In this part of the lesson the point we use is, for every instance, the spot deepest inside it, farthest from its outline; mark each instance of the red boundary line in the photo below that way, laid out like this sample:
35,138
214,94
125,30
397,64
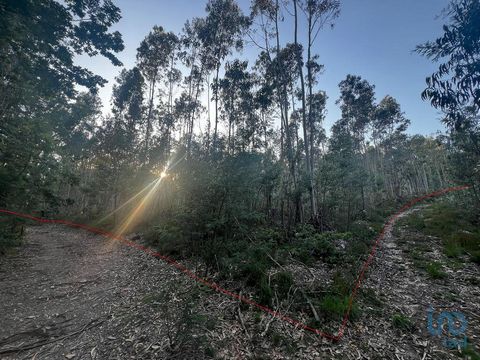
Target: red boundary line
214,286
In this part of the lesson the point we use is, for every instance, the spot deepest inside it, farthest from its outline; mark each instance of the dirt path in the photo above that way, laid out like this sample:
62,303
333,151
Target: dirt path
68,294
404,290
70,290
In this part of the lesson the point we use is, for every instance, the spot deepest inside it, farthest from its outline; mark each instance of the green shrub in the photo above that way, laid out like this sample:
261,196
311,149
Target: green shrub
470,353
334,307
415,221
475,256
364,230
11,233
435,270
310,245
402,322
167,239
452,250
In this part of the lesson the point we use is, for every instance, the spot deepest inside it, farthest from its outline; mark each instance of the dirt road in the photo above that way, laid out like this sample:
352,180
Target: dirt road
65,292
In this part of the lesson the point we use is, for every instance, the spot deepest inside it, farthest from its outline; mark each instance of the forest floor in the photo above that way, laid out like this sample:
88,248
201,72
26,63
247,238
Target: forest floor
68,294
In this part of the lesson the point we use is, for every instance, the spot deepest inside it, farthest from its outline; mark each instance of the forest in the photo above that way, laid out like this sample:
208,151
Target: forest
224,163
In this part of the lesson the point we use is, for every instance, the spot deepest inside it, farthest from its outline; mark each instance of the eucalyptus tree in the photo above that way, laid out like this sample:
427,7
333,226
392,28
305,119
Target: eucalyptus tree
154,56
388,126
356,102
318,13
128,98
455,86
238,98
348,134
192,56
222,30
268,14
388,120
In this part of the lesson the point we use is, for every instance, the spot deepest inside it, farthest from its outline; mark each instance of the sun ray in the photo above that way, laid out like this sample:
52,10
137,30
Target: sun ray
137,212
129,201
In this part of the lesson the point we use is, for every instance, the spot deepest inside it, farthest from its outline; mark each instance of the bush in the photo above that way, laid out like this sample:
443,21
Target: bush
415,221
342,283
265,292
334,307
452,249
167,239
310,245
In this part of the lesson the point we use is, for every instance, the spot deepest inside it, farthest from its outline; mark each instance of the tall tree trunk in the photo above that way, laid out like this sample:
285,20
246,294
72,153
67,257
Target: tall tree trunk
306,141
208,112
215,134
149,117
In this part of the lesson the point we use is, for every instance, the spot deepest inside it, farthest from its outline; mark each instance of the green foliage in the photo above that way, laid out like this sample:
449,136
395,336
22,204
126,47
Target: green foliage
475,256
309,245
342,283
415,221
454,85
452,249
282,283
403,322
454,222
167,239
470,353
334,307
45,124
435,270
11,233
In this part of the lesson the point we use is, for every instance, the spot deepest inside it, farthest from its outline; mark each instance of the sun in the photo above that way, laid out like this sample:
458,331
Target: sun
163,174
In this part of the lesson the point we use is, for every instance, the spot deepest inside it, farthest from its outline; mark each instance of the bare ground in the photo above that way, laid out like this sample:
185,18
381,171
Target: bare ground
68,294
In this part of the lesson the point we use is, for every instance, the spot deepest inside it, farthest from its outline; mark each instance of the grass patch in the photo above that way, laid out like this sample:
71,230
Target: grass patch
470,353
415,221
334,307
452,250
403,322
435,270
455,223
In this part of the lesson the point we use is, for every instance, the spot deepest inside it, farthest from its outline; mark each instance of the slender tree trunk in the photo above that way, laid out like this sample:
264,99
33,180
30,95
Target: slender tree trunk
149,117
306,141
208,112
215,134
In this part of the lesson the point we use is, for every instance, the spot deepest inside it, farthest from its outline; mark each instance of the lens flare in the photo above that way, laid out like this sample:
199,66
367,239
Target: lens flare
139,209
129,201
145,199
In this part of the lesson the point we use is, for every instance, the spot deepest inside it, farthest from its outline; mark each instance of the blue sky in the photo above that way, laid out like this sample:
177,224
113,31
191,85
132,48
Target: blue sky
371,38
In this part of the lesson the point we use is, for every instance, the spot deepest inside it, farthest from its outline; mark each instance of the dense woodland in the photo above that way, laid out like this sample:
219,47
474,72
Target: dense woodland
222,150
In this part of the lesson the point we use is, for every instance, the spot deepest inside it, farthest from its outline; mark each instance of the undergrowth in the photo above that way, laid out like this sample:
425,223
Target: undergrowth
455,221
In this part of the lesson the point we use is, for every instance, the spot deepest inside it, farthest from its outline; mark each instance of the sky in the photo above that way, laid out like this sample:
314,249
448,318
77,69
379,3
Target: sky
372,38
